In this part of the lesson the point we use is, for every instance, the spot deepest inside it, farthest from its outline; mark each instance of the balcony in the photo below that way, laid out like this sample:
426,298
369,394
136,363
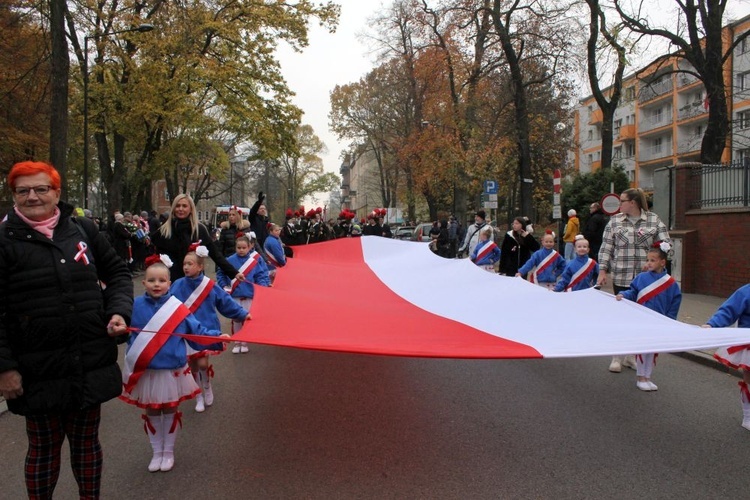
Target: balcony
655,152
652,91
691,110
684,79
596,117
627,132
690,145
596,165
655,121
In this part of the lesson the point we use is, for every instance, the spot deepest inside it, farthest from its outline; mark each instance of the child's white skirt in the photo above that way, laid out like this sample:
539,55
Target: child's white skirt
160,389
737,357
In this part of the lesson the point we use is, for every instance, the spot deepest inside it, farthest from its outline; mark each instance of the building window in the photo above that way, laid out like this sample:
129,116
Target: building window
657,145
743,155
698,131
743,81
617,126
200,215
744,46
617,153
743,120
591,135
207,218
629,150
629,93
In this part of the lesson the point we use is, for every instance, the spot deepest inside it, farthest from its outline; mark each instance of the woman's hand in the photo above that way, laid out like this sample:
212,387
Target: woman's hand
602,278
116,326
10,384
240,277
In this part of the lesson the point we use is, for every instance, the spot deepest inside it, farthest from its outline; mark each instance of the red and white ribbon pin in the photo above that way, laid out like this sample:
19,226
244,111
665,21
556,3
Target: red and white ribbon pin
81,255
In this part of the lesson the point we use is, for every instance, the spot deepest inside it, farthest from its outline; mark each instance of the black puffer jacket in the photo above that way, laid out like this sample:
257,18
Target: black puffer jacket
228,236
177,247
54,314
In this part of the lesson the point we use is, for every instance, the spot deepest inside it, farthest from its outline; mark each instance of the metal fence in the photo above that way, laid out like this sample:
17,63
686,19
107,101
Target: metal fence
724,185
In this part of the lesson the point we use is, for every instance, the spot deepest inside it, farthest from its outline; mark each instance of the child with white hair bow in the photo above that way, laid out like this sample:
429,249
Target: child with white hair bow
204,297
155,374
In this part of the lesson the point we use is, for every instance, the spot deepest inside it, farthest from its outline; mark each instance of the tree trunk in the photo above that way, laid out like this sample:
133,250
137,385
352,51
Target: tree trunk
60,68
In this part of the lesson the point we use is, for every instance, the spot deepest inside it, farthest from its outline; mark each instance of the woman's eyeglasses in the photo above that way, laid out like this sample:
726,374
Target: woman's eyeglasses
39,190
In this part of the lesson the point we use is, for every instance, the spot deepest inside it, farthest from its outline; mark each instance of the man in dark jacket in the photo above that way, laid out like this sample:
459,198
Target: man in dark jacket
58,352
259,220
594,229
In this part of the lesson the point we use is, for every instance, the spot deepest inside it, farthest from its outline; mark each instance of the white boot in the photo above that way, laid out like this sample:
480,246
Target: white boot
154,429
208,391
169,426
200,407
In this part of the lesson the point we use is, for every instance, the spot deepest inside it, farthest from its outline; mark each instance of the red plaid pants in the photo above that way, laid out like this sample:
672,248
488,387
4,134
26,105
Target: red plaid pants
46,434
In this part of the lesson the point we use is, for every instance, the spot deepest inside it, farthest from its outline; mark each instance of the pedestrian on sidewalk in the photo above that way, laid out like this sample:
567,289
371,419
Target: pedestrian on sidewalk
156,376
626,241
659,292
204,297
254,270
736,309
572,228
58,351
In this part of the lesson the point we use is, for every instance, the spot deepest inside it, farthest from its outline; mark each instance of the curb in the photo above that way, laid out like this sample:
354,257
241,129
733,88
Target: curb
3,406
708,361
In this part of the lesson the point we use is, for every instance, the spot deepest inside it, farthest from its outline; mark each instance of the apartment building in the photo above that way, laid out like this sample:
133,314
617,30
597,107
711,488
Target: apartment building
663,115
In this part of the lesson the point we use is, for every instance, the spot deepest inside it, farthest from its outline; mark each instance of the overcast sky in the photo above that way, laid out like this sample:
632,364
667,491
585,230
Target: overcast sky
340,58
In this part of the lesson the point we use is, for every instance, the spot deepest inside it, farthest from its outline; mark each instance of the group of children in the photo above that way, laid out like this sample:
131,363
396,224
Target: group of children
162,369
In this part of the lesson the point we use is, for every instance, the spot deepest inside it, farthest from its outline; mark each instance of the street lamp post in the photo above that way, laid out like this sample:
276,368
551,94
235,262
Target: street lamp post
141,29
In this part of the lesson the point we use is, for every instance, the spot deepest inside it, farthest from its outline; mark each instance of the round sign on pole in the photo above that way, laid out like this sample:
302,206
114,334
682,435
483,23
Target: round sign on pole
610,203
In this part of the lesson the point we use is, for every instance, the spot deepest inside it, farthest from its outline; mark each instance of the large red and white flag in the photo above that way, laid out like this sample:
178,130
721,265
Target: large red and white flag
380,296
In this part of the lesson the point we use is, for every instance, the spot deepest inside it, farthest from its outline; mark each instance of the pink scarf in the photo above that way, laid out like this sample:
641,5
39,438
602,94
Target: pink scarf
46,227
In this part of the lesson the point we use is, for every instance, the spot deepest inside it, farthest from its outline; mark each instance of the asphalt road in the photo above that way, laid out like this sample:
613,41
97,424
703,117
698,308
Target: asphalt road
301,424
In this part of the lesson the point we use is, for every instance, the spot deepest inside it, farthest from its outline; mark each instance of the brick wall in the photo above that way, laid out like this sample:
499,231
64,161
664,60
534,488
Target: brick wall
717,251
721,256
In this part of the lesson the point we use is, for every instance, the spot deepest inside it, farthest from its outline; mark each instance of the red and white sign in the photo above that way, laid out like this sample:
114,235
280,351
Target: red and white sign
610,203
556,181
381,296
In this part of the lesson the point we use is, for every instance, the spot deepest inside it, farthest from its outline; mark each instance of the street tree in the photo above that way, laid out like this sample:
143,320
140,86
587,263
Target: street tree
530,31
205,69
608,98
24,86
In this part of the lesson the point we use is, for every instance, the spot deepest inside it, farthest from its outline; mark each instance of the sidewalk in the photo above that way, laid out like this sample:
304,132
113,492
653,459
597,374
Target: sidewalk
695,310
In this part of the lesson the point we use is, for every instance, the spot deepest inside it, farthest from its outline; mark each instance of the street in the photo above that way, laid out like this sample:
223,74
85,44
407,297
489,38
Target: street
302,424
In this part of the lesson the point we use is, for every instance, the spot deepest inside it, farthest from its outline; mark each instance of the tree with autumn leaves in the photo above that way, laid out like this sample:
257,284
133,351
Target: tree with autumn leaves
441,110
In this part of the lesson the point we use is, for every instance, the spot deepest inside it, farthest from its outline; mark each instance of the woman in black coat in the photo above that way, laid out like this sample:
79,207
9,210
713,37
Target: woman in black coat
58,352
517,247
180,230
228,233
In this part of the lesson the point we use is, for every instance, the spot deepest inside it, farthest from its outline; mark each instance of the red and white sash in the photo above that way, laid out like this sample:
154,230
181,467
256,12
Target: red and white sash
581,274
147,343
245,269
273,259
486,250
548,260
654,289
199,294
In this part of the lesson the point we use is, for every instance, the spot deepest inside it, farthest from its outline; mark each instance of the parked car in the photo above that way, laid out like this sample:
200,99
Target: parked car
422,232
404,233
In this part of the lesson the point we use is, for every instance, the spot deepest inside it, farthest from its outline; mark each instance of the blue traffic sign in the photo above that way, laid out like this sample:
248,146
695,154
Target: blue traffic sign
490,187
